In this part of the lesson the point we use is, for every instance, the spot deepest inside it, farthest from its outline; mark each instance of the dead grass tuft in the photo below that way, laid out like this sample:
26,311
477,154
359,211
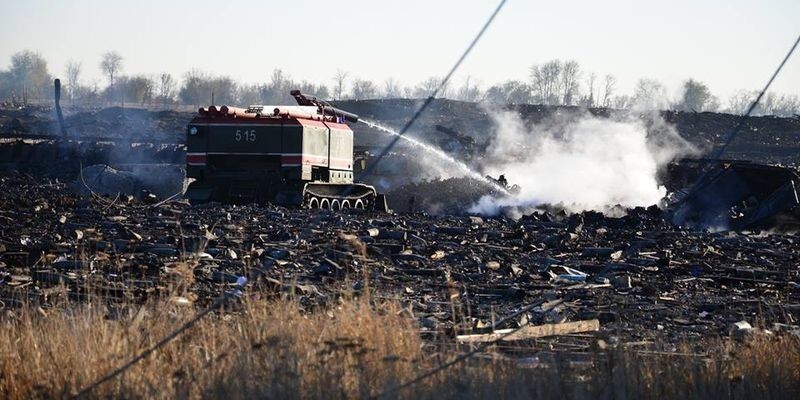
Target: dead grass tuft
270,349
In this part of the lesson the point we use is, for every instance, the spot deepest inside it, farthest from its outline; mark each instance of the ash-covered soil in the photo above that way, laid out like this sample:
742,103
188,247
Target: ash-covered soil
641,277
124,125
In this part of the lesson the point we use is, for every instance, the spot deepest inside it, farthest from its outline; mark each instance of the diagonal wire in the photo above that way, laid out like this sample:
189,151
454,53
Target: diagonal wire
150,350
427,374
738,127
430,98
752,107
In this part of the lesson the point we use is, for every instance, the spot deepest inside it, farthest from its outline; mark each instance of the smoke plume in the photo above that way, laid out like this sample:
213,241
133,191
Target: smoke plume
579,161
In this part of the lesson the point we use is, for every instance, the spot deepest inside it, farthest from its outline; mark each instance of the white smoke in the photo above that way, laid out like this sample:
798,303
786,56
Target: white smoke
580,162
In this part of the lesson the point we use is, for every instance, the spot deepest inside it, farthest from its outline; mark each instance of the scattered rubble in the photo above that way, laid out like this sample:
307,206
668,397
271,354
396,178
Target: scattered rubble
159,179
633,279
740,195
638,276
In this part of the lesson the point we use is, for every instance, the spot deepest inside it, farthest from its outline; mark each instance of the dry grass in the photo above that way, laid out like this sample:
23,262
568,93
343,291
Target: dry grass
269,349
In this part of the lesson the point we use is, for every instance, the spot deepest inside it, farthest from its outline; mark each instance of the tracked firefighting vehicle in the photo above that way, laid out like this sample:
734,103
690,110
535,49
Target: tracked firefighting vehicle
291,155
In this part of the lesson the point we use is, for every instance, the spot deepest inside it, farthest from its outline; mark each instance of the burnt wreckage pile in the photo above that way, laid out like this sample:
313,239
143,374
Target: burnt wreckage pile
635,279
736,195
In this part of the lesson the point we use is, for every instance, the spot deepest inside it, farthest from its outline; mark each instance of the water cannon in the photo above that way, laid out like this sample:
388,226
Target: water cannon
339,113
323,106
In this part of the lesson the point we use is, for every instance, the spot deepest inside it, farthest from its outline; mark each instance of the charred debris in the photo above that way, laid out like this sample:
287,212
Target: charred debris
639,276
702,267
735,195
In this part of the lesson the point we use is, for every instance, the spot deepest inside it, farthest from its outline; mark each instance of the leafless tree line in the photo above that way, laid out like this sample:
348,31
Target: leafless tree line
555,82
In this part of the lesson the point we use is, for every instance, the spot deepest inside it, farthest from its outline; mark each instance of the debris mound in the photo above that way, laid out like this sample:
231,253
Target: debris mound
440,196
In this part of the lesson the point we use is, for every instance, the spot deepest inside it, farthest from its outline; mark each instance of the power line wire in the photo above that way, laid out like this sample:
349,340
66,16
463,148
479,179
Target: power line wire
425,375
219,302
752,107
430,98
740,123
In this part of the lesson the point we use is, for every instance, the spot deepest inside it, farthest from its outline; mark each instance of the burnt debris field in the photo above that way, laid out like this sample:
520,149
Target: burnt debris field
94,224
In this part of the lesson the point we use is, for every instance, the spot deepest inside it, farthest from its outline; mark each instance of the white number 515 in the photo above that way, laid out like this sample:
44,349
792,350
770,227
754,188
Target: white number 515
245,135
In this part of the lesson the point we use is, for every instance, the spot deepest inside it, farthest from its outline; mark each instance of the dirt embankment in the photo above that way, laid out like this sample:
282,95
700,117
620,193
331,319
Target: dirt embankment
764,139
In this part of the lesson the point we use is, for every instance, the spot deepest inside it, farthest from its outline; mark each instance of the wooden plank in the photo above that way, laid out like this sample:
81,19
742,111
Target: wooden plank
587,286
533,331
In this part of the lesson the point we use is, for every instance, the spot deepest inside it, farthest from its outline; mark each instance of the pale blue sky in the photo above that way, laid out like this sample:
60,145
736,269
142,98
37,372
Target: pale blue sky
727,44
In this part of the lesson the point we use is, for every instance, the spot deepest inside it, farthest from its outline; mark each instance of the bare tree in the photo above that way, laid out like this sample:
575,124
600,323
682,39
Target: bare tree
224,89
545,81
249,94
166,88
510,92
649,94
570,73
391,88
339,81
771,104
608,90
589,100
713,104
320,91
277,90
695,96
28,73
280,84
787,106
767,104
364,89
89,93
194,88
200,88
740,101
428,88
136,89
621,102
73,71
469,92
279,80
111,65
